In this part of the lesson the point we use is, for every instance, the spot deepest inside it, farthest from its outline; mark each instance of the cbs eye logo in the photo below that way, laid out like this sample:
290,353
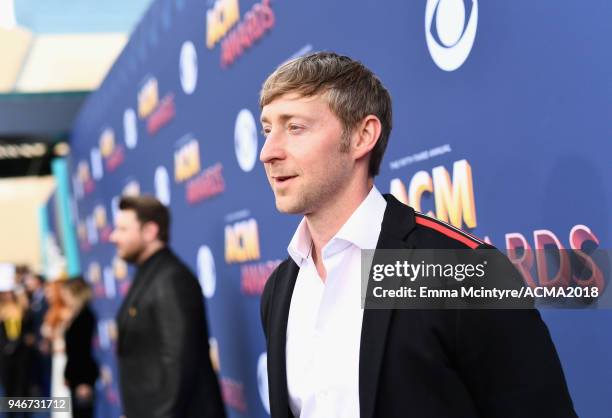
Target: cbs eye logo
245,140
449,38
206,271
188,67
162,185
130,128
262,381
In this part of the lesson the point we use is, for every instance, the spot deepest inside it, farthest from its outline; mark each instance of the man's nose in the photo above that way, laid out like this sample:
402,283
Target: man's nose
273,148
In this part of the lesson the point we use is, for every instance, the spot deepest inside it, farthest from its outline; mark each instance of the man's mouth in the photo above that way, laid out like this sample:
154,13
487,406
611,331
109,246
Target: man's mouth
280,180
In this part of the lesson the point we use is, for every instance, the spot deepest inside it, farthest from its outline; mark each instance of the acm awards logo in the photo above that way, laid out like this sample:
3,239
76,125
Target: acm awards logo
107,333
157,113
95,228
200,184
245,140
232,392
242,241
241,247
454,203
94,274
112,153
453,199
449,37
106,377
83,181
148,97
120,271
220,19
223,25
254,276
186,158
207,184
101,221
83,236
533,262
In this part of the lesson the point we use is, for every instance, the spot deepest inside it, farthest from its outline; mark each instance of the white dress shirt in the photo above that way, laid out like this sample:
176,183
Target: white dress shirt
324,325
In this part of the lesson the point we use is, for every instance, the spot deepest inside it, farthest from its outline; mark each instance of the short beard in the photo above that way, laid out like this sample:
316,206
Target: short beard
133,257
312,200
305,205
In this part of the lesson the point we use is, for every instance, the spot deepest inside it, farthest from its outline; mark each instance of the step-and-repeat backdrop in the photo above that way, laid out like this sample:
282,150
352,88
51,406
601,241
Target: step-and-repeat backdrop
502,126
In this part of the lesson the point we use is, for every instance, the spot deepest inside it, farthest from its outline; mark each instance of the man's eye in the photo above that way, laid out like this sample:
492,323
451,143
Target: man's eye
265,132
295,128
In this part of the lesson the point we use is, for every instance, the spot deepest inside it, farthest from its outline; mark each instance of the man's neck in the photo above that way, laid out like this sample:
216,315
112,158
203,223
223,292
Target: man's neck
149,251
325,223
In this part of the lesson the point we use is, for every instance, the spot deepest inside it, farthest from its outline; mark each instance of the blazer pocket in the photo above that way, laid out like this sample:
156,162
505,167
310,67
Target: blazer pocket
145,376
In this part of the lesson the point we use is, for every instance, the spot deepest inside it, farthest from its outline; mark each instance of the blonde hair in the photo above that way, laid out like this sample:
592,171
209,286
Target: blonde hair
350,88
79,289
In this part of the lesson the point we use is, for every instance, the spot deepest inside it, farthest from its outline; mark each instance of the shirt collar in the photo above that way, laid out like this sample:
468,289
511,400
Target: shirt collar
361,229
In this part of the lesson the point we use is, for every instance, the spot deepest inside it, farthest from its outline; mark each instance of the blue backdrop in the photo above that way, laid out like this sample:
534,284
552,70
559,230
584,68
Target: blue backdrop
501,127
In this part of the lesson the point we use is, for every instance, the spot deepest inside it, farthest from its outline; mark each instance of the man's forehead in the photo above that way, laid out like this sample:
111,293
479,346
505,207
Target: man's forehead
289,104
126,216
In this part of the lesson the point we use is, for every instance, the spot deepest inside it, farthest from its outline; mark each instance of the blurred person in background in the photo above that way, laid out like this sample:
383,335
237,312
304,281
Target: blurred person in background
41,361
15,330
164,367
35,290
81,370
22,272
52,330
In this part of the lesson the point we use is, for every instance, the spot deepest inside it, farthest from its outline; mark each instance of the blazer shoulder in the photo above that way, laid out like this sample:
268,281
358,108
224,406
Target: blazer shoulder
173,278
421,231
173,266
431,233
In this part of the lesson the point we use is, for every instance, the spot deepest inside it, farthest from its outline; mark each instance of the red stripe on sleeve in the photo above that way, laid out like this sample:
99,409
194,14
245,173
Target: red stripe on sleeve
447,231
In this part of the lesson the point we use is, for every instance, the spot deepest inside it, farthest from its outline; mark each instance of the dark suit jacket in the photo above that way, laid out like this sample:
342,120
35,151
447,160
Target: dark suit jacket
81,368
164,364
14,359
432,363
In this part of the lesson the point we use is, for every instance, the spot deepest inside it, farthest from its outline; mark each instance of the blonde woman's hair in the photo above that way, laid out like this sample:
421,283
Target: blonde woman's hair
79,289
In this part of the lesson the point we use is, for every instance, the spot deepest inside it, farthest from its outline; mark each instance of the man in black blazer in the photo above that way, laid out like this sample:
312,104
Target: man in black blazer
164,365
327,120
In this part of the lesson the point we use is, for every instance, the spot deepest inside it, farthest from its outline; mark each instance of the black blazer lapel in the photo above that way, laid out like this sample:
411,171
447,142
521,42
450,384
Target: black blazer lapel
141,282
278,319
397,223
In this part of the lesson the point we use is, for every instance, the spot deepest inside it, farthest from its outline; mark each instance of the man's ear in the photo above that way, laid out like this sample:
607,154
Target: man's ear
150,231
365,136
